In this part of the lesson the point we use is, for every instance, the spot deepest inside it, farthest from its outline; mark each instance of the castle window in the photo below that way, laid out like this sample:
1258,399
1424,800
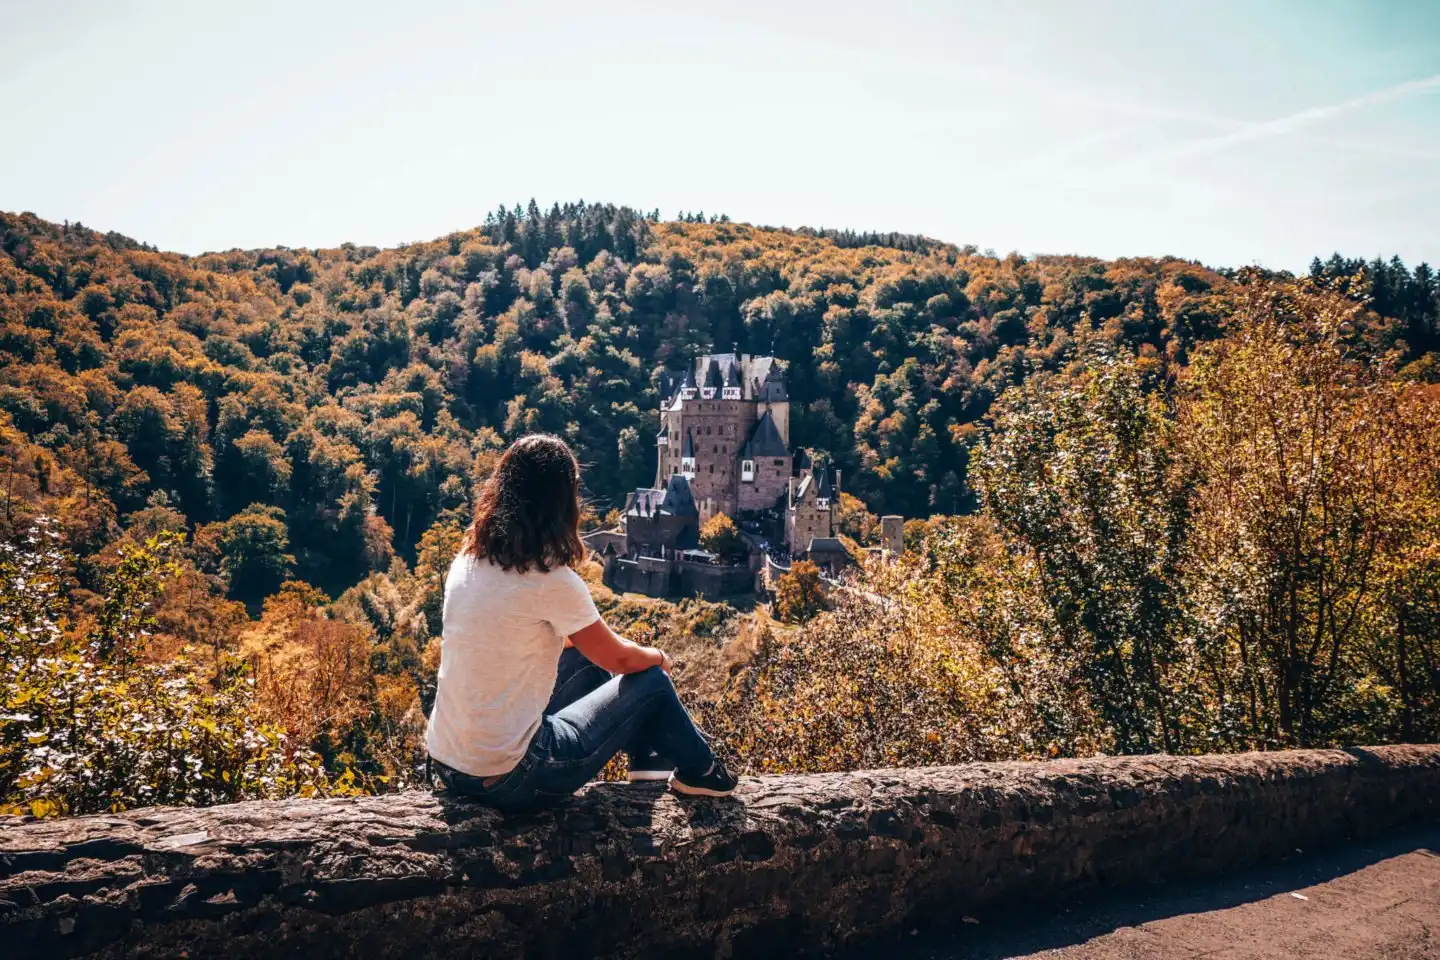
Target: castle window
707,429
747,470
732,393
779,463
712,468
708,393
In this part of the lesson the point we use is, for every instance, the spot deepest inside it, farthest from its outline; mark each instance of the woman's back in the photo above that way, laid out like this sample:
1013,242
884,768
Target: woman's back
503,633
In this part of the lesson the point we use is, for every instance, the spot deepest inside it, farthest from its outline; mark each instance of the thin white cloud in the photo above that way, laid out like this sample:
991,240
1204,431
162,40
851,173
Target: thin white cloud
1282,125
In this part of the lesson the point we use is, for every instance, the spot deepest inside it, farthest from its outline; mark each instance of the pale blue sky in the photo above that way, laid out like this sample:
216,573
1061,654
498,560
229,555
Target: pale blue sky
1232,132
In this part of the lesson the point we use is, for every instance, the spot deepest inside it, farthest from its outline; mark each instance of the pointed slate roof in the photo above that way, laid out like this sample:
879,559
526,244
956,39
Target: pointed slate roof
676,499
758,378
773,387
712,373
823,487
679,501
765,440
688,450
644,502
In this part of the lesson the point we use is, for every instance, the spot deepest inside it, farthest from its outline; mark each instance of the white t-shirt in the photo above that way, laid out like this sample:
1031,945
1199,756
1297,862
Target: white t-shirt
503,634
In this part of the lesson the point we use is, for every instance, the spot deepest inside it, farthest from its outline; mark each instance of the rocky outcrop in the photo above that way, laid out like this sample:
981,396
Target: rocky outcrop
795,864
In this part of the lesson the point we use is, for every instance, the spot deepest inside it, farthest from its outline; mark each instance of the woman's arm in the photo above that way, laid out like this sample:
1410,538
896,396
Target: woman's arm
610,651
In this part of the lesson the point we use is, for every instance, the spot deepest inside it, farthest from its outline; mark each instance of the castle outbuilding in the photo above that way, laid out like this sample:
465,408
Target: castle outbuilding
657,520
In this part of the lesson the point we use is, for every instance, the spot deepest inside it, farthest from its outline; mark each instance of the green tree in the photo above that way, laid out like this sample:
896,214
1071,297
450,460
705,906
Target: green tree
85,727
1080,472
254,546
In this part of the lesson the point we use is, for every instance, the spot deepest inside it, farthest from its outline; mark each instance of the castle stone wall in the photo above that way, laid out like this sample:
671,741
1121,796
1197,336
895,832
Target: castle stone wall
651,533
631,576
892,534
711,581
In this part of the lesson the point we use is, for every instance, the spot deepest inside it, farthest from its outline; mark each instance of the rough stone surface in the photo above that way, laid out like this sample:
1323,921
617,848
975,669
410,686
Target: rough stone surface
802,864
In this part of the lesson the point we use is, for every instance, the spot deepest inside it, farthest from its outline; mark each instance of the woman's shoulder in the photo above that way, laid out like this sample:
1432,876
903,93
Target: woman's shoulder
469,566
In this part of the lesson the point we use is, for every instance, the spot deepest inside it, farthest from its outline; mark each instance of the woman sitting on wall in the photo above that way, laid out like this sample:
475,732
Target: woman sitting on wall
535,692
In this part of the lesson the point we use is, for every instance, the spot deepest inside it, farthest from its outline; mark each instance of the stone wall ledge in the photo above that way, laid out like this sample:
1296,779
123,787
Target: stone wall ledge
797,864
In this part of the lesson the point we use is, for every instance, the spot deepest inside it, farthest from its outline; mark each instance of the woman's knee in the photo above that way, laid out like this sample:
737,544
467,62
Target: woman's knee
651,678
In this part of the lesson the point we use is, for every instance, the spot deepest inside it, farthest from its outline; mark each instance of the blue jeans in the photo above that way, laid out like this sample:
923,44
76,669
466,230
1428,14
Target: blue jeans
591,717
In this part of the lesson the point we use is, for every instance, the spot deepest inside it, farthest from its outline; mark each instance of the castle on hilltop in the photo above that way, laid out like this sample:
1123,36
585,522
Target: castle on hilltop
723,447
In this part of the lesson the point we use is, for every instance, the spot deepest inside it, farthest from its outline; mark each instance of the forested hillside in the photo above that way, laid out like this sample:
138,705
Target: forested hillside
342,399
233,482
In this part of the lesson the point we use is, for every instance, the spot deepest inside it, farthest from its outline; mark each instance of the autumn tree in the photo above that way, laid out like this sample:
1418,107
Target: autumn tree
85,726
799,594
312,674
1316,471
721,537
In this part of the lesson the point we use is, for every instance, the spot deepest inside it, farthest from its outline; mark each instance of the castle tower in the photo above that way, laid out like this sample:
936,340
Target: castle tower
812,503
710,412
892,534
774,399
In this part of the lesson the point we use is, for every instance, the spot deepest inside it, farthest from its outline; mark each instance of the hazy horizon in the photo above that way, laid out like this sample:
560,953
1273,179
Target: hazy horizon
1242,133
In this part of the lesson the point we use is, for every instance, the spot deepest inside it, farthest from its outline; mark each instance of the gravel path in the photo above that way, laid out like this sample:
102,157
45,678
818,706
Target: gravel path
1372,901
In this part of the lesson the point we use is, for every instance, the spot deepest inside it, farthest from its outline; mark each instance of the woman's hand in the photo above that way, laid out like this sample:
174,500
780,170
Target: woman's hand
657,658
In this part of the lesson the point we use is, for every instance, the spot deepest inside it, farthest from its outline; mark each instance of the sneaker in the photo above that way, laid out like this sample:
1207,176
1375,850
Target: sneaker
650,767
717,782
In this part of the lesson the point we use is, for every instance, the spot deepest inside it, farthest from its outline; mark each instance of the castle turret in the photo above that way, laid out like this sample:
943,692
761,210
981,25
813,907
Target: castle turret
765,466
714,382
811,509
732,389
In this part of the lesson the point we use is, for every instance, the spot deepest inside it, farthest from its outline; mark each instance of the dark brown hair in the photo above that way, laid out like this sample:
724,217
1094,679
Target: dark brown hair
529,511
